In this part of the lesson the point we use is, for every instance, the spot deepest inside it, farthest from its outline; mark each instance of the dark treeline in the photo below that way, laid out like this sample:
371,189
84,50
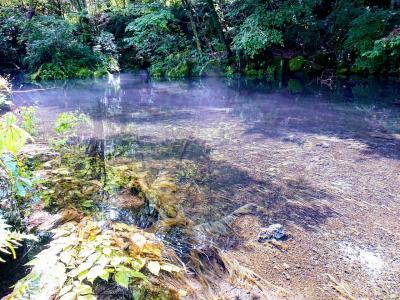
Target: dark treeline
81,38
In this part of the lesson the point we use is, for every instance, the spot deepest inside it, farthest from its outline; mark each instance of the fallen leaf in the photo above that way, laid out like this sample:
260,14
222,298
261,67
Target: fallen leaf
154,267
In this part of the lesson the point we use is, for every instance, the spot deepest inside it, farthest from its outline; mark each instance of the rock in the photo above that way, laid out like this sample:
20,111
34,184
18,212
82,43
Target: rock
323,145
127,200
272,232
293,139
42,220
38,152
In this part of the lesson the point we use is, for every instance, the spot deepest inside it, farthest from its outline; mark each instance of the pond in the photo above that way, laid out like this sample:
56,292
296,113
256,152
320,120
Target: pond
322,162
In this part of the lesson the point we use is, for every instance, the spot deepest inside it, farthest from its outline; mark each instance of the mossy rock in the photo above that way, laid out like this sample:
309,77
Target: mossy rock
294,86
67,69
297,63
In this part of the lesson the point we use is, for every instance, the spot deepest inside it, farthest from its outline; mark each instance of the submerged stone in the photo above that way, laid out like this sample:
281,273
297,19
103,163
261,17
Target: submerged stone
272,232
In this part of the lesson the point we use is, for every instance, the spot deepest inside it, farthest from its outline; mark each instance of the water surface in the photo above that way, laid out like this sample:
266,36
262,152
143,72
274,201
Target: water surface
323,162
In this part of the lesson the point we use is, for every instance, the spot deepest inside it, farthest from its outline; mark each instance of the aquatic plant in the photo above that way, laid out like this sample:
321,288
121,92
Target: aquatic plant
159,192
66,122
65,127
82,254
62,187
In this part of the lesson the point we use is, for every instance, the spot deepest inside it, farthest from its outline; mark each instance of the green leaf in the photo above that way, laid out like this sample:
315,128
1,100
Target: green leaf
122,278
139,275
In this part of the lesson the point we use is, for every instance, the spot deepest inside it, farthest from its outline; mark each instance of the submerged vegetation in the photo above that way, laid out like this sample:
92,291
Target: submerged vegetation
69,198
59,40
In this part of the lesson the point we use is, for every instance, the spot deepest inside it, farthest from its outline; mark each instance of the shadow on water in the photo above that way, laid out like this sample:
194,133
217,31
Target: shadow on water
367,112
280,118
213,189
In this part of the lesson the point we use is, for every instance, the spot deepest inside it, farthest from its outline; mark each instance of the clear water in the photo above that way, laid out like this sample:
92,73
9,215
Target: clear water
231,142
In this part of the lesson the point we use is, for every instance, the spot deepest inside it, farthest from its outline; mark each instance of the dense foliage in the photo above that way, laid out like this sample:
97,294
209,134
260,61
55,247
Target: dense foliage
64,39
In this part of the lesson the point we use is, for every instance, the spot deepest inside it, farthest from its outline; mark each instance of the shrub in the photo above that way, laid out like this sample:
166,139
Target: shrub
54,50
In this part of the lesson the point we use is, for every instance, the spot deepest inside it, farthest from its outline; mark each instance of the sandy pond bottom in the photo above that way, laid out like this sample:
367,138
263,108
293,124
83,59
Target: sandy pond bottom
324,164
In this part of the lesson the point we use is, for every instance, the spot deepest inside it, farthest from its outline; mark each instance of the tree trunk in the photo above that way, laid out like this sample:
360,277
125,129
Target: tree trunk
188,7
218,27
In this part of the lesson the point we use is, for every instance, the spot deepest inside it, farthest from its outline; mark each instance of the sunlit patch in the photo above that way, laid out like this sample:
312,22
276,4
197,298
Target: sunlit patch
371,262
